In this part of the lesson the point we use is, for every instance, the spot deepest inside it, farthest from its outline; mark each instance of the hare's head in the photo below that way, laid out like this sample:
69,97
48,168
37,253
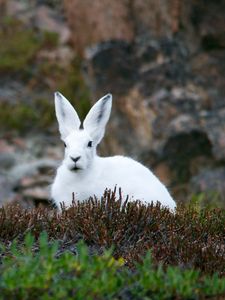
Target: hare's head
81,140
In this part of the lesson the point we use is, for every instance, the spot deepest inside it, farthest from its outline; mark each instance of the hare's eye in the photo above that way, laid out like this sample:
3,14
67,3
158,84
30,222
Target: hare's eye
64,144
89,144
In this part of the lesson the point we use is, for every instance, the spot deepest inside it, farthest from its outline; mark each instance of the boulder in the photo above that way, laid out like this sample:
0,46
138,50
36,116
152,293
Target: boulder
210,182
165,111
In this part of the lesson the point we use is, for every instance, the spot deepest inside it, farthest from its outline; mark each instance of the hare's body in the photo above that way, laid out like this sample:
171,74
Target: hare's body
83,174
134,179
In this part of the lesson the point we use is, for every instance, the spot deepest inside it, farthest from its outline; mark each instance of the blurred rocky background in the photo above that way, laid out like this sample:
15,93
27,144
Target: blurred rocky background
164,63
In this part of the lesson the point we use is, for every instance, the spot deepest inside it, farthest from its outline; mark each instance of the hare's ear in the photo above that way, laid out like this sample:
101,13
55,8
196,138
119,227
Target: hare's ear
66,115
98,117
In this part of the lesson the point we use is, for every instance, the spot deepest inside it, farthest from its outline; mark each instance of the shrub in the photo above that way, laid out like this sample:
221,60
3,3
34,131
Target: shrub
43,273
188,239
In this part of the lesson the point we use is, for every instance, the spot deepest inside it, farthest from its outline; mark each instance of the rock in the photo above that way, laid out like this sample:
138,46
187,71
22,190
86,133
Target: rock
45,19
180,124
110,20
131,20
159,14
163,172
36,194
32,181
25,178
6,192
210,181
214,125
32,168
36,180
3,5
41,16
7,157
64,55
135,123
10,91
19,142
16,7
112,60
212,37
7,160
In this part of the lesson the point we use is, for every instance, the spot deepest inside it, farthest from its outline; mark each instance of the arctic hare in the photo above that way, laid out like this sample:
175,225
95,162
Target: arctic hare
83,173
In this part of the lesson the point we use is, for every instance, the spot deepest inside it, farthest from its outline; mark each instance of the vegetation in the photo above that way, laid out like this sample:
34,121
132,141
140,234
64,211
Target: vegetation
21,58
190,238
28,273
18,45
112,250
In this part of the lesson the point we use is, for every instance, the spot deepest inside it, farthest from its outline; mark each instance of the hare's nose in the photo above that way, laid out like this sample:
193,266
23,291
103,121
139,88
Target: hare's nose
75,159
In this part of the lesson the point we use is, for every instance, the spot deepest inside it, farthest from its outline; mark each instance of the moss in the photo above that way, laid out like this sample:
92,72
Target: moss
18,45
211,199
18,57
50,39
23,116
68,80
16,116
75,89
44,112
39,112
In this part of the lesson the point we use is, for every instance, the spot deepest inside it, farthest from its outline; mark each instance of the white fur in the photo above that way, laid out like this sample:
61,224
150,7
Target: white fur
93,174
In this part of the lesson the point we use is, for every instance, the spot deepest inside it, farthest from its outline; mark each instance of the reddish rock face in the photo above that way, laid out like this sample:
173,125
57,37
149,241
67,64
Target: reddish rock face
96,21
104,20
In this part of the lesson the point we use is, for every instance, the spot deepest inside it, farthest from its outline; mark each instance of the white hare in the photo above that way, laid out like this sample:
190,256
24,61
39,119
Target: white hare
83,173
